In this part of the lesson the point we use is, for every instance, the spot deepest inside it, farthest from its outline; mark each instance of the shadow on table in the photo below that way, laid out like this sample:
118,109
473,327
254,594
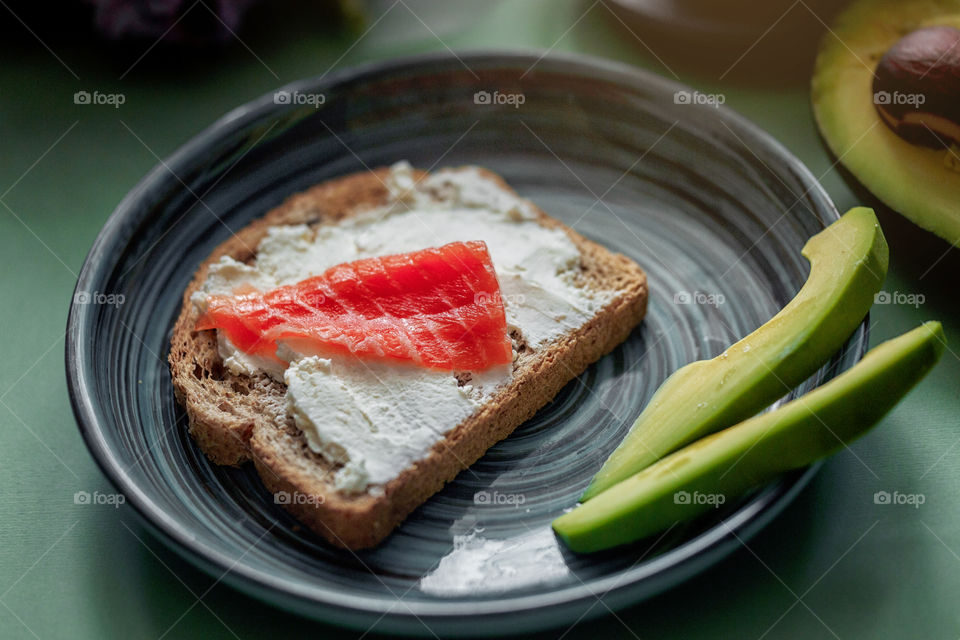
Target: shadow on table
927,260
929,263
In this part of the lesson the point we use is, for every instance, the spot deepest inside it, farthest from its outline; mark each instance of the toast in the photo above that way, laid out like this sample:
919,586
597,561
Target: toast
238,418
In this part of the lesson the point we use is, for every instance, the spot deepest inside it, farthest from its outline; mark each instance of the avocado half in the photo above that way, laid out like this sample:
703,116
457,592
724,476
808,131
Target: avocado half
921,183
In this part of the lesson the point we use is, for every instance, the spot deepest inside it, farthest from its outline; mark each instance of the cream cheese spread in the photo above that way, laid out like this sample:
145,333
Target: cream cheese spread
376,419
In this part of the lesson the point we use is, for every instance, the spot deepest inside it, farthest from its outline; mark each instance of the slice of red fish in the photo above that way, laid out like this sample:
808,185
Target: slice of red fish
438,308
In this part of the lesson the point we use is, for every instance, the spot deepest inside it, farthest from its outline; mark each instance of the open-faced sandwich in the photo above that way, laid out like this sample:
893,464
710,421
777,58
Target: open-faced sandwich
372,337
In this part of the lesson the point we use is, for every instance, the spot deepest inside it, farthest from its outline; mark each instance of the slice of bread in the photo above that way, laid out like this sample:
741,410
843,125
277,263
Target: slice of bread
237,418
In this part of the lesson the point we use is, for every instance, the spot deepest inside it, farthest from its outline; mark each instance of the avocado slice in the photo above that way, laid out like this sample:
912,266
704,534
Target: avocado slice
724,465
919,182
848,264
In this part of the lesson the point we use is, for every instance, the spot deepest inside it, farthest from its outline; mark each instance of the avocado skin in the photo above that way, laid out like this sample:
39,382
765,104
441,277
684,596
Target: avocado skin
848,264
920,183
745,456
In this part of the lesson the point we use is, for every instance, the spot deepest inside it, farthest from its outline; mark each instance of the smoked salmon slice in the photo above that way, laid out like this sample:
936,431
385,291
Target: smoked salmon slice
438,308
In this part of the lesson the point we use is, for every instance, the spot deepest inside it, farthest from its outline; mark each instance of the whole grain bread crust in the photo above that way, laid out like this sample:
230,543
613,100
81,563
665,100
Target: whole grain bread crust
235,419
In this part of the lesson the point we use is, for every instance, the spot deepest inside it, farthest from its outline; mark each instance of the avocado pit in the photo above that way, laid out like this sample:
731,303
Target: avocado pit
916,87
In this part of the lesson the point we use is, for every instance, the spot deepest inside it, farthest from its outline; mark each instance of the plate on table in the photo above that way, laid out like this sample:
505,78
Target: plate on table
711,207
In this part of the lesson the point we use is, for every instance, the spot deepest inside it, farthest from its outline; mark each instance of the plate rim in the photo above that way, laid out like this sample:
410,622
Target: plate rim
628,587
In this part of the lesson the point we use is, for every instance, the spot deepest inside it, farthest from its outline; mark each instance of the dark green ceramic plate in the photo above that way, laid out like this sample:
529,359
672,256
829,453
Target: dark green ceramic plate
710,206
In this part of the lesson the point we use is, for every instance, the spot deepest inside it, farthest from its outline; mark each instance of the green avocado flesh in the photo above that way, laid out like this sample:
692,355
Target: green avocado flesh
921,183
848,264
724,465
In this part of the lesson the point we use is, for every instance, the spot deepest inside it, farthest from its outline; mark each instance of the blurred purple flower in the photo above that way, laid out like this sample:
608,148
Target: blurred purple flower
193,21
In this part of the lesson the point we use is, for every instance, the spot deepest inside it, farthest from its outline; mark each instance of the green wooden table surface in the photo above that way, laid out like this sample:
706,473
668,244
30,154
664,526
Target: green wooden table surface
835,564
